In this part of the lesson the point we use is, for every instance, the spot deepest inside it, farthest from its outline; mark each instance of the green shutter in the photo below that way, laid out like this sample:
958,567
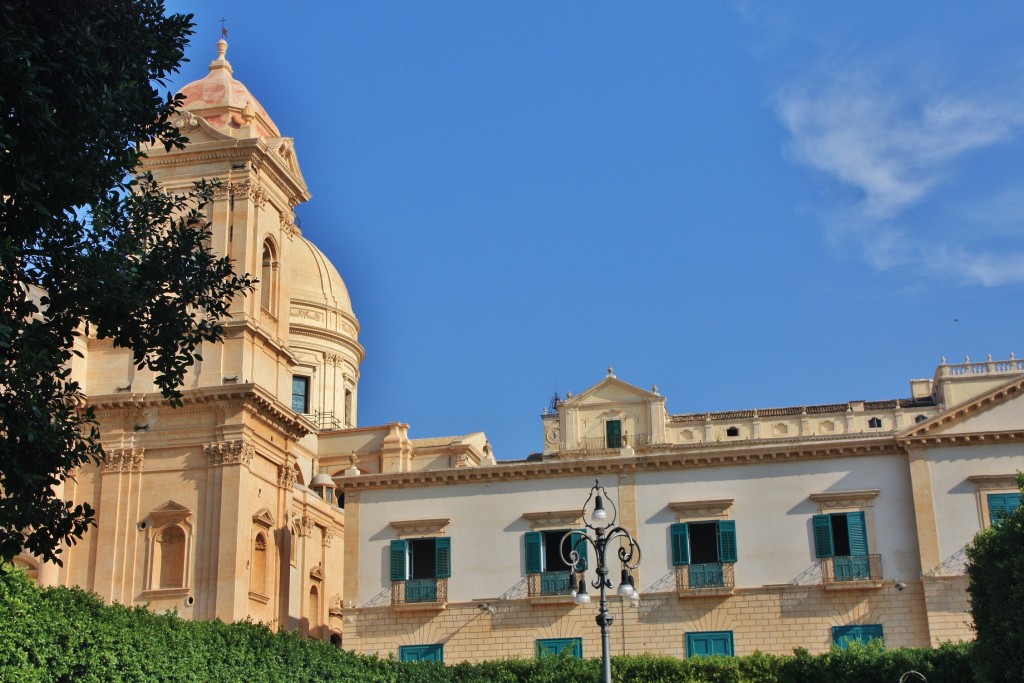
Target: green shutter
580,546
858,534
1000,505
613,433
823,536
554,647
727,551
680,544
534,550
399,560
442,557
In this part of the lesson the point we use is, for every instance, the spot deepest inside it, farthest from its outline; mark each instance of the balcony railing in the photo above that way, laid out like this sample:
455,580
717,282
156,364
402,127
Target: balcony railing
602,443
711,577
851,568
413,591
548,583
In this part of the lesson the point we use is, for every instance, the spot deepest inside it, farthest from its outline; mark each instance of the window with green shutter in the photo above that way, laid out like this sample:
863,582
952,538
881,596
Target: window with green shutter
421,653
1001,505
709,643
841,541
420,563
546,555
704,542
613,433
842,636
553,647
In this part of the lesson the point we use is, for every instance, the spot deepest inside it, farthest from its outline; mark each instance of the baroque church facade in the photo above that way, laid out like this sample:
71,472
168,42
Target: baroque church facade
262,497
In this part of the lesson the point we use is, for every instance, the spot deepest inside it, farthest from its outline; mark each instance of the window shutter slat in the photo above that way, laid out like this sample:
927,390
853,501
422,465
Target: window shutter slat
442,557
823,536
399,560
680,544
727,551
857,531
580,546
534,546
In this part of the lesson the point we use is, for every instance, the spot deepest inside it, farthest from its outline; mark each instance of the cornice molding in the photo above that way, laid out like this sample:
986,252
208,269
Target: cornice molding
421,527
676,457
834,500
991,482
554,520
701,509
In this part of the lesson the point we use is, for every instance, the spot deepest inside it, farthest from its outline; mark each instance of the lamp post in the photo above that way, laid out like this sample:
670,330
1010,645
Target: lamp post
604,531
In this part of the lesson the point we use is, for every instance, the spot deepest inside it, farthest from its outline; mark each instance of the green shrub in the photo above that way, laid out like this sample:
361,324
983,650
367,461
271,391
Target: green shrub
61,634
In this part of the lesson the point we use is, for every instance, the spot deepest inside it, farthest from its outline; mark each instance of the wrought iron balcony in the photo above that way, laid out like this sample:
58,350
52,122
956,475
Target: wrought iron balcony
703,579
843,569
603,443
419,591
548,583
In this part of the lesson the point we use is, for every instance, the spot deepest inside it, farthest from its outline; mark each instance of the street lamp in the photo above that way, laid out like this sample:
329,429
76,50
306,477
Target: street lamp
604,531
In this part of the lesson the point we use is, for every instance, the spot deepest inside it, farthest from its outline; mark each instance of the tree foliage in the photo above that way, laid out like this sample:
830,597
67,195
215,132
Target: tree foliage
995,572
86,244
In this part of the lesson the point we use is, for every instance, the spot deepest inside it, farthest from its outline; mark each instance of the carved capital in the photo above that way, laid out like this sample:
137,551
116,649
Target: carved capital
328,536
306,525
229,452
287,476
123,460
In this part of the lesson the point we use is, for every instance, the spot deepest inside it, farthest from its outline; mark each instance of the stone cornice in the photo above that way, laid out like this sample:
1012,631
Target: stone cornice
671,457
701,509
421,527
1009,436
833,500
555,519
989,482
255,399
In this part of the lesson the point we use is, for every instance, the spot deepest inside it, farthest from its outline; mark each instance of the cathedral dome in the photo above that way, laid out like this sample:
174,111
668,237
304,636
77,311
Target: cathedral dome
225,103
314,279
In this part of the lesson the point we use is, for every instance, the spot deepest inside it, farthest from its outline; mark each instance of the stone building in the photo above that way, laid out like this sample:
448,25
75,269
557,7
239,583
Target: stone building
262,497
226,507
766,529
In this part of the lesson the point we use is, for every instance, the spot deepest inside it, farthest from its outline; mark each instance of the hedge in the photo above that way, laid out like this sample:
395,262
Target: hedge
61,634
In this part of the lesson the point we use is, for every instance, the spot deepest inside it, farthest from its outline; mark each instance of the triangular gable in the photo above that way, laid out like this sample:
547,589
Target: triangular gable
284,148
170,512
999,410
263,518
611,390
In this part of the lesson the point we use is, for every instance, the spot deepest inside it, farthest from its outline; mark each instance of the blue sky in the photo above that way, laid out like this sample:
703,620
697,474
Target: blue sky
747,206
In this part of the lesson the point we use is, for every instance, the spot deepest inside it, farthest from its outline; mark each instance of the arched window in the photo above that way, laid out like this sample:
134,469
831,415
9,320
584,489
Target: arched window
314,611
268,277
169,557
259,564
920,418
732,431
875,423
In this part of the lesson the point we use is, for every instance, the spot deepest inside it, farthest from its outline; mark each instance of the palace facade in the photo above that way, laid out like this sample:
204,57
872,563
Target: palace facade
263,498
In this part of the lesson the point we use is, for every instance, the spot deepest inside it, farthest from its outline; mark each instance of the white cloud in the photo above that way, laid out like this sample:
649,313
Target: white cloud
895,142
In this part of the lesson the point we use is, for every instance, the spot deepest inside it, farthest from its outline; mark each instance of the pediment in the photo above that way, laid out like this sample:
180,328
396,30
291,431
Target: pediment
611,390
263,518
284,150
999,411
169,513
